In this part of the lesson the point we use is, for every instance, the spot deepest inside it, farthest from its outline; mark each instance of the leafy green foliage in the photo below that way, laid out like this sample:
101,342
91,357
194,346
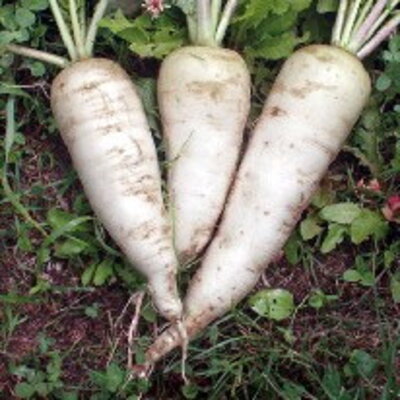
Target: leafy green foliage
342,213
344,220
18,24
260,30
376,140
40,382
332,384
361,364
395,287
319,299
275,304
389,80
187,6
361,273
147,36
267,29
324,6
115,381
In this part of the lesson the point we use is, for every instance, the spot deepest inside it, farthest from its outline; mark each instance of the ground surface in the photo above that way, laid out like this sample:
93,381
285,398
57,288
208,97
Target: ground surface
66,305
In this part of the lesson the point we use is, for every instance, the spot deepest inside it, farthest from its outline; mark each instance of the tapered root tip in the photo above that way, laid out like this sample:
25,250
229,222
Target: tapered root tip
166,298
178,334
169,308
166,342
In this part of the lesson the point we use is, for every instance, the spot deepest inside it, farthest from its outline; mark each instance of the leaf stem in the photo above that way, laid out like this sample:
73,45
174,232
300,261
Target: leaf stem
82,22
339,23
192,28
382,18
64,31
216,6
379,37
351,20
76,29
38,55
363,14
360,36
204,34
99,12
225,20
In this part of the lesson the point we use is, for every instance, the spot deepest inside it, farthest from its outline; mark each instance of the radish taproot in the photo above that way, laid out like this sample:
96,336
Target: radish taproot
315,101
204,100
103,124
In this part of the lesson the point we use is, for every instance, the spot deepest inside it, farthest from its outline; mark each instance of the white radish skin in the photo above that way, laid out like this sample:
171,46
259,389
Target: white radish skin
103,124
313,105
204,99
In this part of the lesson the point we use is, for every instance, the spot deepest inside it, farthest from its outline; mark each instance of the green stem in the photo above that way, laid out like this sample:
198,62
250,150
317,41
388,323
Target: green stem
38,55
225,20
204,34
382,18
339,23
192,27
363,14
216,6
64,31
76,29
360,36
94,25
82,23
351,20
379,37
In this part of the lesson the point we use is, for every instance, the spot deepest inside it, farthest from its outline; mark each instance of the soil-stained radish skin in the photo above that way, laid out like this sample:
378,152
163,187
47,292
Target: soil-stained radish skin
204,99
102,122
313,105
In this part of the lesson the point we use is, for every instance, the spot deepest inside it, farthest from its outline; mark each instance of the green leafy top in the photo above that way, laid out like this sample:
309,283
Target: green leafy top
362,25
71,21
147,36
265,29
207,20
260,29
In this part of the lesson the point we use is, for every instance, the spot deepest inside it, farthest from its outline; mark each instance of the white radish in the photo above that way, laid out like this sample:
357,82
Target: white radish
204,99
314,103
103,124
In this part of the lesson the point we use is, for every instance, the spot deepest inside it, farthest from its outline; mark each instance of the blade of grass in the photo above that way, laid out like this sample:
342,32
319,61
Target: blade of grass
12,197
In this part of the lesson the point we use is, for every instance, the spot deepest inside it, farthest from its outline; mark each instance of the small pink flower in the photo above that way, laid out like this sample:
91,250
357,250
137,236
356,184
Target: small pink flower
154,7
373,185
391,210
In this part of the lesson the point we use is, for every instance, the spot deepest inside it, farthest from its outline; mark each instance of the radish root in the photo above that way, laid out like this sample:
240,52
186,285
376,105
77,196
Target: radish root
137,300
